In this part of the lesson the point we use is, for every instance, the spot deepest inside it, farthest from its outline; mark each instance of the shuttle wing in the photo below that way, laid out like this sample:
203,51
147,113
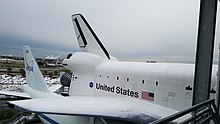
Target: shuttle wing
54,88
13,93
109,107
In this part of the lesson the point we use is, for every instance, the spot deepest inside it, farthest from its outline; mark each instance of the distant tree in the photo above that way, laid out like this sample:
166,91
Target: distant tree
9,70
50,74
56,72
22,72
45,72
67,71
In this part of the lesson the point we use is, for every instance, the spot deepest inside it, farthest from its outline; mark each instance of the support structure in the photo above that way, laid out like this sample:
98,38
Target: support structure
217,101
204,53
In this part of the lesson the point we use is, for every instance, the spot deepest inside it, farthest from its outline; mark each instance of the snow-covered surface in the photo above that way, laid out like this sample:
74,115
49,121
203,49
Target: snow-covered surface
113,107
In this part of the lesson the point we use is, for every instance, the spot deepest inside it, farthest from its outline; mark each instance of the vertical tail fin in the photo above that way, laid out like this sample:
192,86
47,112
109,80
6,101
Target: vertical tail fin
87,39
34,76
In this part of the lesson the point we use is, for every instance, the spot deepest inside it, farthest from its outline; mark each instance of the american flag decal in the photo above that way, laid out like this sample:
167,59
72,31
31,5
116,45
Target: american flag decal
147,95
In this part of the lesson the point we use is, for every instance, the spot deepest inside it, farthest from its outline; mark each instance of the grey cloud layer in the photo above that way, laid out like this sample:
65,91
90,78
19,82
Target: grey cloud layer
127,26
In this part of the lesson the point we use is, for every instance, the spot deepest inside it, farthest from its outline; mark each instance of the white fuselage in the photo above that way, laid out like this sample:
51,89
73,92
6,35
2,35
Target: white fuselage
166,84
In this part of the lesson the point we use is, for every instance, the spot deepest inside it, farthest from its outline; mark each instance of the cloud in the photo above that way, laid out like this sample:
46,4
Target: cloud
147,27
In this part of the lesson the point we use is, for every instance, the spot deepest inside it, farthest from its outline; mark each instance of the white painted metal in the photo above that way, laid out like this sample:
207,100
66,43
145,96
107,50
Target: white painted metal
168,81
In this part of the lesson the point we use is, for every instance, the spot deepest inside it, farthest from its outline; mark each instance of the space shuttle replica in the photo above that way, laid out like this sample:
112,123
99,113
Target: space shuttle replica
103,89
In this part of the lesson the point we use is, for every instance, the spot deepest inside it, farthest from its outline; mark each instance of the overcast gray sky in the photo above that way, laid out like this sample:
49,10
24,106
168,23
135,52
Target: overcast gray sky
126,27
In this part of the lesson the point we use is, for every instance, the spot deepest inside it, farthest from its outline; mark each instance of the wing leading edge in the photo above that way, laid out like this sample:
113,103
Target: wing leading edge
109,107
13,93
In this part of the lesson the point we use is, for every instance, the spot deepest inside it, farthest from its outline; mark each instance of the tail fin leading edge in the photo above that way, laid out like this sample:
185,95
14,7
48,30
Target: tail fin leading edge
34,76
87,39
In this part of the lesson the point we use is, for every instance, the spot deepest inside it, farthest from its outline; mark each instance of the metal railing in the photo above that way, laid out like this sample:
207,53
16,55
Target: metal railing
201,113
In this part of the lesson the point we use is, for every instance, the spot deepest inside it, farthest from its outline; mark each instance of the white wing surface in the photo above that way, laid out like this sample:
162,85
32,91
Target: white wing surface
13,93
54,88
109,107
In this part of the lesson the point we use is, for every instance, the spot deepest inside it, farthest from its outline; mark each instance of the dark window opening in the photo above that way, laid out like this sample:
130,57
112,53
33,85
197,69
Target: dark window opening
156,82
117,78
212,91
127,79
142,81
107,76
188,88
100,75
